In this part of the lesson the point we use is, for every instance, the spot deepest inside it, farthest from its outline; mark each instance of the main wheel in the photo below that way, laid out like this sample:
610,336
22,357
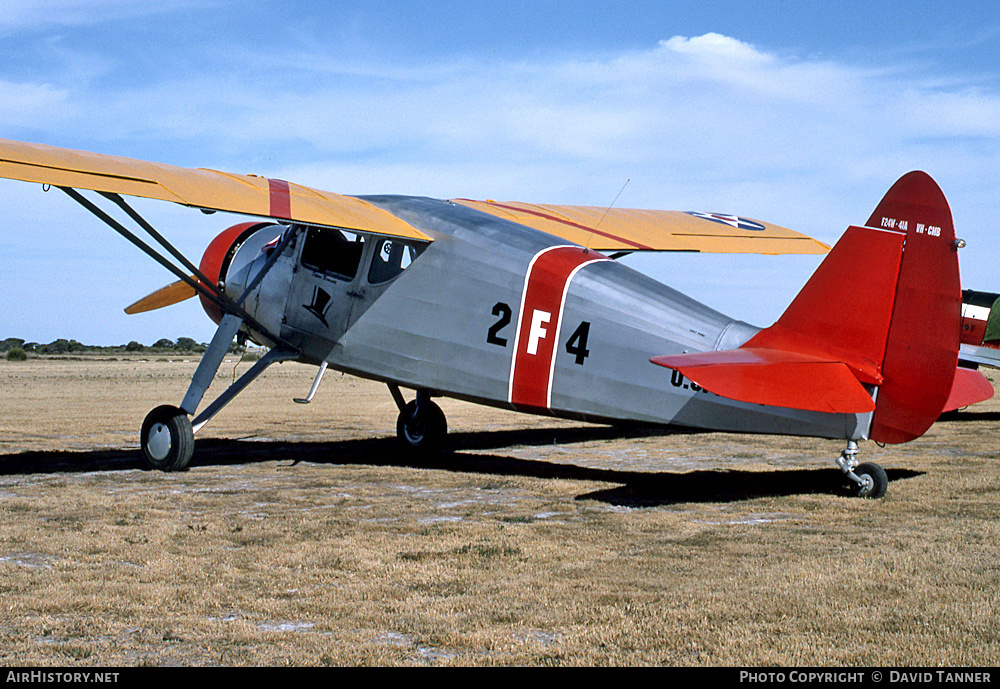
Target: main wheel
425,431
876,482
167,439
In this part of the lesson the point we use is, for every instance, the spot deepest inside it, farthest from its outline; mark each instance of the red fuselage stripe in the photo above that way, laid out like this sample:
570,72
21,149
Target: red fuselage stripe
564,221
539,321
281,201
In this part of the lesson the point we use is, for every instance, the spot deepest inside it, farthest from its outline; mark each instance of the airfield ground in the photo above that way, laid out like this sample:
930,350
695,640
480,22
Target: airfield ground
302,535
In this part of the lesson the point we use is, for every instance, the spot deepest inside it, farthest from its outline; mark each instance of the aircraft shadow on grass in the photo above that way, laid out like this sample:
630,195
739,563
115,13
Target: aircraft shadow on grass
634,489
971,415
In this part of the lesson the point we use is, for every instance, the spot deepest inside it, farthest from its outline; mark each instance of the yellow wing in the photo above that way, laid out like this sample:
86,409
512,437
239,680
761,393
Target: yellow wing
206,189
596,228
645,230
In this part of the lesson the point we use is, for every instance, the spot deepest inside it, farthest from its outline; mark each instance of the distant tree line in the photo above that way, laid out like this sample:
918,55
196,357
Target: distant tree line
183,345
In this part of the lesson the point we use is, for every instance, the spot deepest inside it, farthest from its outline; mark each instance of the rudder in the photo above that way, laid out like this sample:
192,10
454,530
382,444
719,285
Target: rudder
921,352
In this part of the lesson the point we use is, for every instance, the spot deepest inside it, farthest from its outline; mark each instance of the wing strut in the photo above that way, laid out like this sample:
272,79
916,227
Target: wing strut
207,290
151,231
199,282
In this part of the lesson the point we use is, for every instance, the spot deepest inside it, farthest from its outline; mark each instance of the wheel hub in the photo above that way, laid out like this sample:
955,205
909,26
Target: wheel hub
158,442
867,485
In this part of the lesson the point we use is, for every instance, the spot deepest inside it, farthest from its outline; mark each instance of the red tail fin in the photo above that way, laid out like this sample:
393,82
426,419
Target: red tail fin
922,348
884,306
843,312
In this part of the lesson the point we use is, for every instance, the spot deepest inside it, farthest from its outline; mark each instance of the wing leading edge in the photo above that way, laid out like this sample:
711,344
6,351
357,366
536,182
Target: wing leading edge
199,188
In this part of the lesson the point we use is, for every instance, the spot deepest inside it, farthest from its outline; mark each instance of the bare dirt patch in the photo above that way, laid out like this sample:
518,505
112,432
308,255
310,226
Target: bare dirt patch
303,535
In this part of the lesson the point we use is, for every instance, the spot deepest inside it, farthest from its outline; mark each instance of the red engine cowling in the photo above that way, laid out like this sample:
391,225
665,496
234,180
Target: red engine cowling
217,257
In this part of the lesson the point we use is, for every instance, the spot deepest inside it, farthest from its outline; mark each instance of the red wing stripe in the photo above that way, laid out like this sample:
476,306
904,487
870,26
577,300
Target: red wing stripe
539,322
564,221
281,200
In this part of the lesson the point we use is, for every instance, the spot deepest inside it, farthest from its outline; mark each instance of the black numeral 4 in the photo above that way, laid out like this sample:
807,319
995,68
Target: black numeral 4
577,343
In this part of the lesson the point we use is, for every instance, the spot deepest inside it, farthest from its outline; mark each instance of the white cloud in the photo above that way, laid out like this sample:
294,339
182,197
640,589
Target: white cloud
713,45
705,107
28,104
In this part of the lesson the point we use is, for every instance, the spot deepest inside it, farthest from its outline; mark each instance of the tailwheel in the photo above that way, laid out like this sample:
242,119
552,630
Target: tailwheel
867,480
167,439
422,425
874,481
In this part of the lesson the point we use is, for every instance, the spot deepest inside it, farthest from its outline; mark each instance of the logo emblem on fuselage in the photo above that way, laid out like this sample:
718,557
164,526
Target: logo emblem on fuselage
320,304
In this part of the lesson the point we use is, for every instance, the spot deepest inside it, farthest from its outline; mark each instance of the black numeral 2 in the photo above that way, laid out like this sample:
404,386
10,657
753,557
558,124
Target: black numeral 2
493,337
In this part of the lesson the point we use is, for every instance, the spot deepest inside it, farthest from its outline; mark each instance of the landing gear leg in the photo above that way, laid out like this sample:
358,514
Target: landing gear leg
421,425
867,480
167,437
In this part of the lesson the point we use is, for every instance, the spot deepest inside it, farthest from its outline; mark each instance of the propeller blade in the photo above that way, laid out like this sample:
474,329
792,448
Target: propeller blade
165,296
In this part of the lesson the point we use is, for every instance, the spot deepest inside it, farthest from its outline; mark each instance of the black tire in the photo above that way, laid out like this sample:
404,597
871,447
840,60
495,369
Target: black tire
425,432
167,439
879,481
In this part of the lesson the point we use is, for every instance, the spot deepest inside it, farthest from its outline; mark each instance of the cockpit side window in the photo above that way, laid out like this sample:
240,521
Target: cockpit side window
391,258
333,251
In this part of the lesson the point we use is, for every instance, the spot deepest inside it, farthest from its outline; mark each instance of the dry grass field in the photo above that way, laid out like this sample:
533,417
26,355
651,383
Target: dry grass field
302,535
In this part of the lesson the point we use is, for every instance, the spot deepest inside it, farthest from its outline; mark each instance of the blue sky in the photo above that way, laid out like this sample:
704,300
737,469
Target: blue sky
798,113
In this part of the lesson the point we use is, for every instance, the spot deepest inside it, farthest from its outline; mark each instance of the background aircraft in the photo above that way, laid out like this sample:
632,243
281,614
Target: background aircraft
524,307
980,329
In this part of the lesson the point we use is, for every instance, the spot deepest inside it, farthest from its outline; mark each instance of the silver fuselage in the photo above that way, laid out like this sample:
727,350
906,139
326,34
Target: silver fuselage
449,318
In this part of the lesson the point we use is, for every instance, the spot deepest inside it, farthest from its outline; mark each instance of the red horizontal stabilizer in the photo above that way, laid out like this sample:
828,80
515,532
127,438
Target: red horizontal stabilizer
969,387
775,378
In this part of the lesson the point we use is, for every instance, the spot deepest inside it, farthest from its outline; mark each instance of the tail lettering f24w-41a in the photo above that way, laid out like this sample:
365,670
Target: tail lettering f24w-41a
875,329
